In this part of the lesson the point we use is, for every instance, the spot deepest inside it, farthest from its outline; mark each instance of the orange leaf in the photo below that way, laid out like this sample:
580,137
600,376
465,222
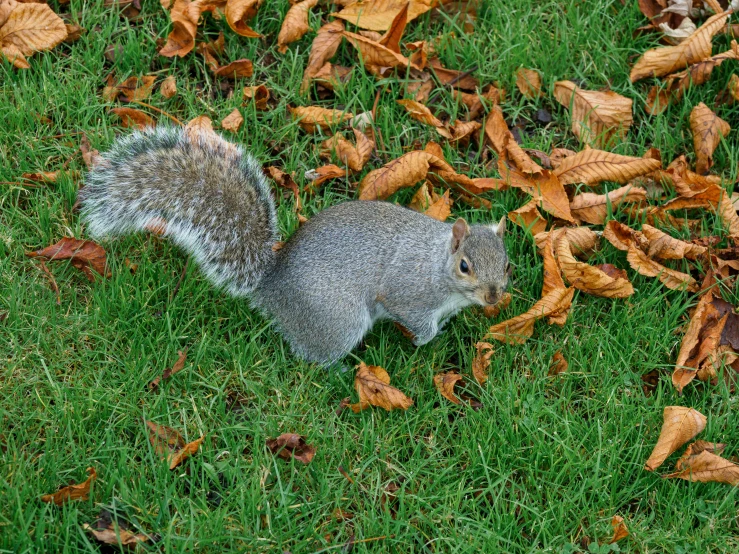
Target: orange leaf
593,166
378,15
528,217
176,368
168,87
593,208
373,386
375,54
185,16
310,118
481,362
295,24
444,383
72,492
170,445
708,129
259,94
671,278
707,467
528,82
559,364
354,157
399,173
234,70
588,278
680,425
441,208
544,186
238,12
663,246
324,47
619,529
133,118
582,239
232,122
502,141
85,255
421,113
519,328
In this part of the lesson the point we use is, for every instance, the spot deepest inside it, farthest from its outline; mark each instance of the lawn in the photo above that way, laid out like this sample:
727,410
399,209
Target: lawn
542,466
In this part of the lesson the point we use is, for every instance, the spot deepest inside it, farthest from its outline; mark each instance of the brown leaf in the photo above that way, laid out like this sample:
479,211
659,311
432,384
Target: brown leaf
116,535
528,82
502,304
238,12
290,445
707,467
375,54
696,448
619,529
421,113
444,383
462,130
176,368
72,492
259,94
696,74
6,6
391,38
708,129
528,217
136,89
671,278
234,70
373,386
185,16
582,239
354,157
169,87
232,122
726,212
559,364
597,117
295,24
85,255
544,186
402,172
552,277
332,77
482,361
622,236
502,141
324,47
324,173
441,208
188,450
593,208
170,445
519,328
680,425
663,246
593,166
74,33
378,15
90,156
588,278
662,61
283,180
310,118
133,118
30,28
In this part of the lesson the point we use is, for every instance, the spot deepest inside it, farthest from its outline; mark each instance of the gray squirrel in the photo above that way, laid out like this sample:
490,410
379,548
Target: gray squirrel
347,267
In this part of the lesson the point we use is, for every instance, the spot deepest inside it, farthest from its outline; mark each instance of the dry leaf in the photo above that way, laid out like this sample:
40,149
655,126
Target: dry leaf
582,239
663,246
322,174
378,15
463,130
593,166
259,94
72,492
373,386
559,364
238,12
619,529
324,47
170,445
696,448
707,467
482,361
528,82
30,28
544,186
597,117
232,122
185,16
133,118
421,113
295,24
403,172
176,368
588,278
622,236
528,217
108,531
168,87
375,54
671,278
593,208
519,328
505,145
310,118
354,157
441,209
444,383
662,61
708,129
726,212
391,38
85,255
680,425
290,445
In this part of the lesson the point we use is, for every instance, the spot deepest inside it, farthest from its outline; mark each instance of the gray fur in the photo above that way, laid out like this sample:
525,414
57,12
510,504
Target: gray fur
347,267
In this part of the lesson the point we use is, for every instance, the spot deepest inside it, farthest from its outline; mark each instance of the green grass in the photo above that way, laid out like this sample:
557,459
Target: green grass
544,463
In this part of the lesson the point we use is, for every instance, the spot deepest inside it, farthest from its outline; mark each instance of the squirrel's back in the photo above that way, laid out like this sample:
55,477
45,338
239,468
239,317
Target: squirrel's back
207,195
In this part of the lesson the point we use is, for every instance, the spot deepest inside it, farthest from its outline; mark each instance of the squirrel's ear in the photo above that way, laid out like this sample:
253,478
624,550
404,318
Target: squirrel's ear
460,231
499,228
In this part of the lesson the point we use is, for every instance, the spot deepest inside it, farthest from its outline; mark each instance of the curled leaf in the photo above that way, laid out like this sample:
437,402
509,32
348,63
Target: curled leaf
528,217
619,529
85,255
671,278
482,361
72,492
708,129
519,328
593,208
290,445
559,364
588,278
444,383
133,118
679,426
373,386
707,467
295,24
310,118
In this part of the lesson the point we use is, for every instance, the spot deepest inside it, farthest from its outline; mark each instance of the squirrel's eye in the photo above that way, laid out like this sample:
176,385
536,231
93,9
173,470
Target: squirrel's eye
463,267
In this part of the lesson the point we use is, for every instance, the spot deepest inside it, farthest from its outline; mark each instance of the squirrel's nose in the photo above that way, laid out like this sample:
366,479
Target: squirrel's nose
492,296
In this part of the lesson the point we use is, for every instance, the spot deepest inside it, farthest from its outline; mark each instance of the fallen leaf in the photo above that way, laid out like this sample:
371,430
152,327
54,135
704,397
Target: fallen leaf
295,24
311,118
663,246
290,445
41,176
324,47
528,82
622,236
707,467
733,87
593,208
283,180
462,131
375,54
402,172
594,166
30,28
238,12
373,386
133,118
354,157
696,74
85,255
259,94
588,278
185,16
696,448
114,530
441,208
391,38
528,217
482,361
583,240
90,156
136,89
597,117
559,364
619,529
170,445
727,214
168,87
232,122
332,77
679,426
421,113
176,368
322,174
378,15
72,492
671,278
505,145
519,328
552,276
544,186
444,383
708,129
662,61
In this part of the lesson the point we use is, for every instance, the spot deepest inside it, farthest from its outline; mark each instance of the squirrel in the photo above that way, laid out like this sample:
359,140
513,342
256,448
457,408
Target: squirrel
347,267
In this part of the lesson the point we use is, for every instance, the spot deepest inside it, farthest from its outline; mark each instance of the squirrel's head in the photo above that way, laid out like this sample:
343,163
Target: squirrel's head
479,263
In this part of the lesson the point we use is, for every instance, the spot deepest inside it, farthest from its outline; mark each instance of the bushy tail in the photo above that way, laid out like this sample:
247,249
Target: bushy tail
208,195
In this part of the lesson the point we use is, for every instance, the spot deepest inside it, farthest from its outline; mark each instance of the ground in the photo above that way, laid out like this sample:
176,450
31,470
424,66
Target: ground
544,463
